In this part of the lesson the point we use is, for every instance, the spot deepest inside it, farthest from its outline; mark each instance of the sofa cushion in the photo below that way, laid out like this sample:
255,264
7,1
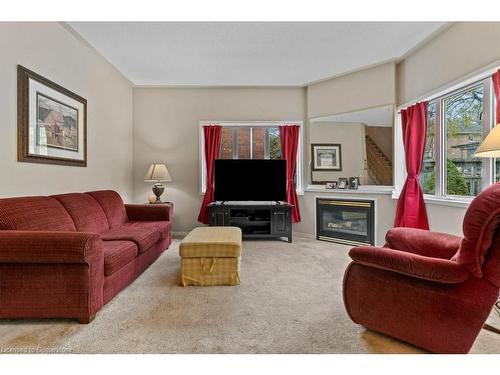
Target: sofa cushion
143,235
34,213
112,205
86,213
211,242
118,254
163,227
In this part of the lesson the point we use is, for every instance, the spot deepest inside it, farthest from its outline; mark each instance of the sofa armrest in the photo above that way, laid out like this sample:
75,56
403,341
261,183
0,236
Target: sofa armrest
409,264
149,212
49,247
423,242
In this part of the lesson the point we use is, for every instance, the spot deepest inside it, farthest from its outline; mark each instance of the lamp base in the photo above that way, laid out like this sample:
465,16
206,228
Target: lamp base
158,190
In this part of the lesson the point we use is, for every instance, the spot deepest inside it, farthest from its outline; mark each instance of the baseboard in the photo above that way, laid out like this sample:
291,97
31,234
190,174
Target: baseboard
179,234
183,234
304,235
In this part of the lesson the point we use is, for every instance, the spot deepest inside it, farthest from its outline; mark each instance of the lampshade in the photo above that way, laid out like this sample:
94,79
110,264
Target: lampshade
157,173
490,148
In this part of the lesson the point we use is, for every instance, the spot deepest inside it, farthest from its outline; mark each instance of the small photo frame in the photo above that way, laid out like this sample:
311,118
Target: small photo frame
326,157
353,183
331,185
343,183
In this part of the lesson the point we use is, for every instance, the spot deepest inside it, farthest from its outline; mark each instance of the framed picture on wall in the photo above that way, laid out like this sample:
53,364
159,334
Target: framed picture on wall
52,122
326,157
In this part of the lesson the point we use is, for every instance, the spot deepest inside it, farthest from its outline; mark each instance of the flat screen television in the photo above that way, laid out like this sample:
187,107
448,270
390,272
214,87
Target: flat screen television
250,180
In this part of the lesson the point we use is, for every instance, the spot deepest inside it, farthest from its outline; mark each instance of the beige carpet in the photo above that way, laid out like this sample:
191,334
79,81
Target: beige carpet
289,301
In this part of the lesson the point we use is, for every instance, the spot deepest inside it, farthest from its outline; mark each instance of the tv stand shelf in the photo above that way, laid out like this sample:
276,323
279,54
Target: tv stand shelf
256,219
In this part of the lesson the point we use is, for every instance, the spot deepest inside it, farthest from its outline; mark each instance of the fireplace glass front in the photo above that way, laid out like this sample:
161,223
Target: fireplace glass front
345,221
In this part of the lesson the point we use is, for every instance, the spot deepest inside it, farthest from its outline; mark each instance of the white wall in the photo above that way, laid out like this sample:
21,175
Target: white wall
53,52
166,129
459,50
369,88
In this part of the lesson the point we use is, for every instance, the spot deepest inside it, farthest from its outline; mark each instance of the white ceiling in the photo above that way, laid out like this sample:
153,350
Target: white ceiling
378,116
248,53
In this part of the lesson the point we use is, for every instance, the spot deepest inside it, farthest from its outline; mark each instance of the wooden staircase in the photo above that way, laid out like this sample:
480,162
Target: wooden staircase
378,164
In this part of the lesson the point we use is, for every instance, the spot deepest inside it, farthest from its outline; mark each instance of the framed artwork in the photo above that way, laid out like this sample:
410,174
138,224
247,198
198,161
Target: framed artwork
343,183
326,157
353,183
331,185
52,122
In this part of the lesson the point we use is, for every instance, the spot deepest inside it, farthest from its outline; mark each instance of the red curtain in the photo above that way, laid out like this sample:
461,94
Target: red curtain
289,137
410,211
496,85
213,137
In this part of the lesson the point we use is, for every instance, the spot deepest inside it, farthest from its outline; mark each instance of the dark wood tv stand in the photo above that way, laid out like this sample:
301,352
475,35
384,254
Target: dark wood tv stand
263,220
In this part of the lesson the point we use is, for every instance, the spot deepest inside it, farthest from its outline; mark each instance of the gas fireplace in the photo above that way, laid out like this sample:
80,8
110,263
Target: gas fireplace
345,221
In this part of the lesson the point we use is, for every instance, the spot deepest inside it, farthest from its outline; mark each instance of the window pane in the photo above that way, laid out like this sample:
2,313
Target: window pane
226,148
464,129
428,173
274,143
243,139
258,141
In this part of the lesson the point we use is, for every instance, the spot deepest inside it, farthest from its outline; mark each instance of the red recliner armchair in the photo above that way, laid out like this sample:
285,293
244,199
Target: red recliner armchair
430,289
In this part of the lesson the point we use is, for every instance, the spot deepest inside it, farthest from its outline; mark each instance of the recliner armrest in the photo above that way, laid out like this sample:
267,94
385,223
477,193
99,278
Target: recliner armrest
149,212
423,242
49,247
409,264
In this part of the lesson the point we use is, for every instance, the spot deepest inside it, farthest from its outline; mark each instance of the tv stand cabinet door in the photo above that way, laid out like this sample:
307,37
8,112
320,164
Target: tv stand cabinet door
281,224
219,216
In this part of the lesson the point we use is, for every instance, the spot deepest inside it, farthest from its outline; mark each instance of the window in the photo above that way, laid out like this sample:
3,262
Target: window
251,141
457,123
428,173
463,121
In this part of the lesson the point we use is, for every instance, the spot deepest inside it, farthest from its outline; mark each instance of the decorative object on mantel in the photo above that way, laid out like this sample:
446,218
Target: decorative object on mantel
331,185
158,173
326,157
343,183
52,122
353,183
490,148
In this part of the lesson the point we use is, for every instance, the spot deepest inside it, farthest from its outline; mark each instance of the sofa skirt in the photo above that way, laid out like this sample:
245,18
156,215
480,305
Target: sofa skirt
210,271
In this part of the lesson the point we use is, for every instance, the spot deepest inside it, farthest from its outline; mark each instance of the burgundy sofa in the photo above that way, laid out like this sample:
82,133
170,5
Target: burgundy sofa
67,255
430,289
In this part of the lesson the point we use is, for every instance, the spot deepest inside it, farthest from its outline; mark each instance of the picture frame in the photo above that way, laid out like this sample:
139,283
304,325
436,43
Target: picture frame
343,183
326,157
331,185
353,183
51,122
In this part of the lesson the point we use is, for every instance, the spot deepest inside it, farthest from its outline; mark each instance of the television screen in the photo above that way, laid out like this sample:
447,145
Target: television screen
250,180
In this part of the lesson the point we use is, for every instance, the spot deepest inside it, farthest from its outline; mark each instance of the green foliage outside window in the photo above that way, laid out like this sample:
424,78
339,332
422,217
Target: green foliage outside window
456,183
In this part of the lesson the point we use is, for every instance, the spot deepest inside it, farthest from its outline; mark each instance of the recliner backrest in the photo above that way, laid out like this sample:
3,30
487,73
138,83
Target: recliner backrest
480,225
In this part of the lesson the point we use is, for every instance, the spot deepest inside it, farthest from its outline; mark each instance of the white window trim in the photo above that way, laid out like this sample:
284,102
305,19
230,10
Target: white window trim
300,157
399,154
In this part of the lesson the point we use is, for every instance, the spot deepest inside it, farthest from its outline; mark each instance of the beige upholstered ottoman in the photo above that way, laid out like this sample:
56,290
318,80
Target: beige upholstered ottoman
211,256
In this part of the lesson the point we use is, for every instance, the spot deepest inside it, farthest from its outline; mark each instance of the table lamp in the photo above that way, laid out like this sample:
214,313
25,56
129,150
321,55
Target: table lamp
490,148
158,173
